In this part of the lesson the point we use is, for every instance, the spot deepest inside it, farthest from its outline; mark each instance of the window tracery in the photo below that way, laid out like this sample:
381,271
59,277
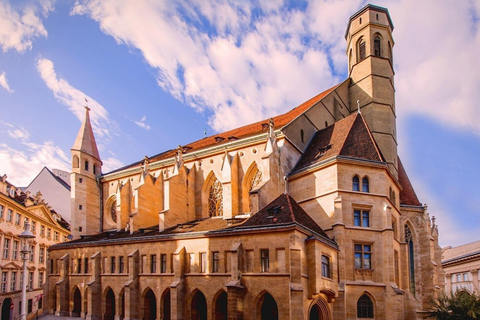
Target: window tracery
257,178
113,211
215,199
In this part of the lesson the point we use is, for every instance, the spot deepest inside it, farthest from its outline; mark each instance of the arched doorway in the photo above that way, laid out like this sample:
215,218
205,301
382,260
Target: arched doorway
221,307
109,305
77,303
166,312
269,308
6,308
122,304
199,306
319,310
149,306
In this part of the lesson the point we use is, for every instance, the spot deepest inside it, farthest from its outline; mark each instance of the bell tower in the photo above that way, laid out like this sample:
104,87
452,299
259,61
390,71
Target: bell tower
370,67
85,191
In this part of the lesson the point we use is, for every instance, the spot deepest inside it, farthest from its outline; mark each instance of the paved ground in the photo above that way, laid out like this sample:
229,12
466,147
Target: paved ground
52,317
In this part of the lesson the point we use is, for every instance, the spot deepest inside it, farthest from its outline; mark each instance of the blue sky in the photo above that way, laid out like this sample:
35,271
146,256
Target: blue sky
157,74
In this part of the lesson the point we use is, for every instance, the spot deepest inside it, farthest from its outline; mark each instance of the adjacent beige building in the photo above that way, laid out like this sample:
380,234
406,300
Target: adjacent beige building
462,268
16,209
307,215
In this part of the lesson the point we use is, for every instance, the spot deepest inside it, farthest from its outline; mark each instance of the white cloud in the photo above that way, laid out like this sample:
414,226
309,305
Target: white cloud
141,123
242,67
21,134
74,99
4,82
22,166
17,31
110,164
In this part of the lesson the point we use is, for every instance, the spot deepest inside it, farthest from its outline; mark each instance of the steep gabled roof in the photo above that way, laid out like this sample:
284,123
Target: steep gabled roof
239,133
283,210
407,194
349,137
85,140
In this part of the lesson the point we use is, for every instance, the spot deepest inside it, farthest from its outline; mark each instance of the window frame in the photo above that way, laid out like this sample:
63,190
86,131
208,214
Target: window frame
215,261
153,263
361,217
364,255
326,267
265,260
367,310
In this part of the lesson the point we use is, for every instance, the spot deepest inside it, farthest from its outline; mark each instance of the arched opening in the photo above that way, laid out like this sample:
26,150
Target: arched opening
221,307
166,309
109,313
411,258
149,306
122,304
252,178
365,185
319,310
113,210
364,307
77,303
377,49
215,199
199,306
269,308
86,165
361,49
75,161
355,183
6,303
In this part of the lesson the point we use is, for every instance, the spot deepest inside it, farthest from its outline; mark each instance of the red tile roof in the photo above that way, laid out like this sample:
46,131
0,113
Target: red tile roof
349,137
407,194
242,132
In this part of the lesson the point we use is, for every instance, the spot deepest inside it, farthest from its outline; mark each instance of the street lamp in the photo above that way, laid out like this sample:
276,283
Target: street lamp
26,240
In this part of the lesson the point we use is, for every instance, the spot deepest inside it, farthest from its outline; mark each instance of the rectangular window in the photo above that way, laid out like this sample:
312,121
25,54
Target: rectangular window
361,218
153,263
363,256
112,265
15,250
163,263
34,227
10,215
55,235
51,266
85,265
1,211
32,253
25,223
79,265
30,306
120,264
326,267
30,280
41,255
203,262
40,279
3,286
397,273
13,282
459,277
6,248
49,233
42,231
215,262
265,260
18,218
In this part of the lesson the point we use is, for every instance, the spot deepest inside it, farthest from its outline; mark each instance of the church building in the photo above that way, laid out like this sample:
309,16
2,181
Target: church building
307,215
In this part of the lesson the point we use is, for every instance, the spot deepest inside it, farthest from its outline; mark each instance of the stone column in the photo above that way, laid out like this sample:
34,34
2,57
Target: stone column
94,295
63,288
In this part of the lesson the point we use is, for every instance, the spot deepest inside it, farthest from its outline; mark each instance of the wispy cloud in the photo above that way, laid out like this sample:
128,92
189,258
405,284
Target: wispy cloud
18,30
21,134
74,99
4,82
142,124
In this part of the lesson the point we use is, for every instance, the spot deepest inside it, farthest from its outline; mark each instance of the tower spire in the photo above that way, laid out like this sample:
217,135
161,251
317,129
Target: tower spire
85,141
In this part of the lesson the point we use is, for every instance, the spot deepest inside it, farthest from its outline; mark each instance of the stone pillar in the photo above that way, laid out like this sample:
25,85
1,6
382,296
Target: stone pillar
448,285
296,288
94,295
132,294
177,288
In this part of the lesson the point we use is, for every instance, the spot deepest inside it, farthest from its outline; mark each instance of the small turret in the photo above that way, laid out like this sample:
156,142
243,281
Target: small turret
85,192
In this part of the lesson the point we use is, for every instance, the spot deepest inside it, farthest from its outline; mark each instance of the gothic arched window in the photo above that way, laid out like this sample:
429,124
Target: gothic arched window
362,50
377,50
76,161
364,307
113,210
215,199
365,185
411,258
355,184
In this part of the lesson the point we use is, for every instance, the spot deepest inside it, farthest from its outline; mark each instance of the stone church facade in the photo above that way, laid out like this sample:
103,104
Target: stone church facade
307,215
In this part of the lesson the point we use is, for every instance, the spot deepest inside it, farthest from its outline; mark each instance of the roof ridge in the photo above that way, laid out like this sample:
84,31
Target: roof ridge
294,218
349,130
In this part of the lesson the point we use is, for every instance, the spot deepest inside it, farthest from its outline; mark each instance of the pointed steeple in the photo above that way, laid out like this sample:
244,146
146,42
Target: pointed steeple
85,141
